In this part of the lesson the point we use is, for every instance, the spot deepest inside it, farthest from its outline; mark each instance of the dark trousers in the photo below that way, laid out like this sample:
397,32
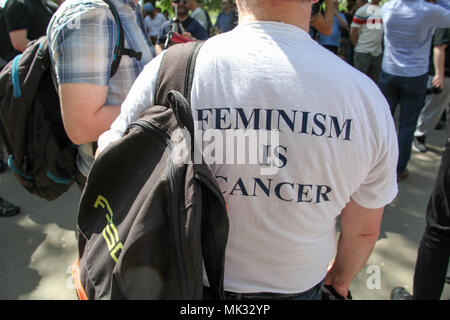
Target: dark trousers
434,251
409,92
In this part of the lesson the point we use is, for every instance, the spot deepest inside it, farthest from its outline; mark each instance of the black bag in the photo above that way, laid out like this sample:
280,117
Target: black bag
147,223
31,128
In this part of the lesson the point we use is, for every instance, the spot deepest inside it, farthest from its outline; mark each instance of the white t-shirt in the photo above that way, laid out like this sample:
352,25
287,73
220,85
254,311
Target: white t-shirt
368,20
152,26
336,140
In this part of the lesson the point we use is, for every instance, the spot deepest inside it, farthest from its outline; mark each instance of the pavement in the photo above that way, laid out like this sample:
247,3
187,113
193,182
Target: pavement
38,246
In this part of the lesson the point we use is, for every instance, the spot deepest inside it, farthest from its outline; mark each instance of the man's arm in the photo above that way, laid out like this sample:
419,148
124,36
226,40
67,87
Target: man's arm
439,65
85,115
324,22
360,229
354,35
16,15
19,39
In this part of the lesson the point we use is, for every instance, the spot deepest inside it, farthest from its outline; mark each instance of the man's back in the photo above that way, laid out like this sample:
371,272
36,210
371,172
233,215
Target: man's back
326,114
331,138
409,26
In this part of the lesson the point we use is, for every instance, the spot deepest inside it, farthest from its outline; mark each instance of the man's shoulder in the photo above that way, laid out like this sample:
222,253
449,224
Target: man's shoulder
364,11
80,7
80,11
76,15
192,22
198,10
161,16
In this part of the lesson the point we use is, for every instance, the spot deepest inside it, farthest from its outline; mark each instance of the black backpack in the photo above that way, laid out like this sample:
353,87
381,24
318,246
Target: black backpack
147,223
31,128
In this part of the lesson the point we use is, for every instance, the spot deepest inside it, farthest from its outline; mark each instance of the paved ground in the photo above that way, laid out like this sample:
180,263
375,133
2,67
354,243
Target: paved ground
38,246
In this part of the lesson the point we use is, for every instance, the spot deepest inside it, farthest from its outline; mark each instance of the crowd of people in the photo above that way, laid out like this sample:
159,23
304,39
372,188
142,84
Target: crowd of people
380,57
200,28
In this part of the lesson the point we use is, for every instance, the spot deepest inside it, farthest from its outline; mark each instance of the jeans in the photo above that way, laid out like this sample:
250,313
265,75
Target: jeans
434,251
315,293
409,93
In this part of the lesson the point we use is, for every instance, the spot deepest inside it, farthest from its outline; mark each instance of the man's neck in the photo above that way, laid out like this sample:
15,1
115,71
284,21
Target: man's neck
296,13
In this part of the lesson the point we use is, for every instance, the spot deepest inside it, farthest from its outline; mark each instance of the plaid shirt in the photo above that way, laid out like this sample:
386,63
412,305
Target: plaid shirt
82,35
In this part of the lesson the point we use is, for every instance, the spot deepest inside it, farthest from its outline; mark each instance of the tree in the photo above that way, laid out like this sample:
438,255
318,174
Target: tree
210,5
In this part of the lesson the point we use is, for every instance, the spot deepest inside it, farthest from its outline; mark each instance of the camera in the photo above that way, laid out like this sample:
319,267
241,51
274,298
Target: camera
433,90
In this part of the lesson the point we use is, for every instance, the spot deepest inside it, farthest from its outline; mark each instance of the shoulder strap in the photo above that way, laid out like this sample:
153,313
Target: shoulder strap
175,78
119,49
173,88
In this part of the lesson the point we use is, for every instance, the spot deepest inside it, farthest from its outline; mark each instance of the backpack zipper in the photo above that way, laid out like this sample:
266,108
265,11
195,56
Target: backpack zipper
148,127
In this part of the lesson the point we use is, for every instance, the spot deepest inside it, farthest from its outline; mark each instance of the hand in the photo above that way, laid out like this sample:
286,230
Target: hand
341,289
187,35
438,81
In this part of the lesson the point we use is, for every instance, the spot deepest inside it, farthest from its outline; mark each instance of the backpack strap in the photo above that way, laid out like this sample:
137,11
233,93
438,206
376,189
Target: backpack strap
171,86
174,90
119,49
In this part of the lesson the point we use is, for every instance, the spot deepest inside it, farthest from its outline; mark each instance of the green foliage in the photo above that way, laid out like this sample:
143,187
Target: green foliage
210,5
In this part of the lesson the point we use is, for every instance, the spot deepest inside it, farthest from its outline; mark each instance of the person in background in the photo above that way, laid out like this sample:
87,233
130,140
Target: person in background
198,13
434,250
182,24
24,21
227,19
82,39
27,20
153,21
332,42
408,30
209,26
437,101
366,35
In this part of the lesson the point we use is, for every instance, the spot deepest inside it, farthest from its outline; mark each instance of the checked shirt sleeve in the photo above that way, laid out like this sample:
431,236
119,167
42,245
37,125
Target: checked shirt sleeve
82,47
